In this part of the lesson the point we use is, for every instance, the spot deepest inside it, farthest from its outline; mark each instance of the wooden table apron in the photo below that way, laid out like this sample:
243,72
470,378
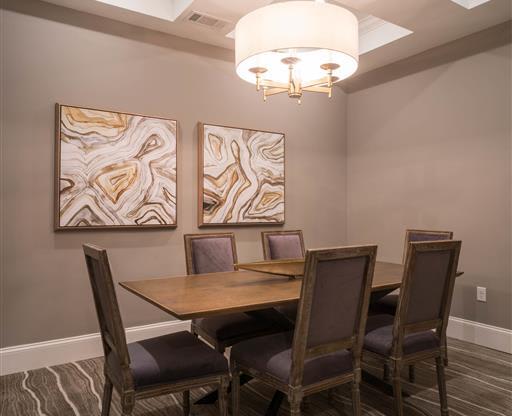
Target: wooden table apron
261,285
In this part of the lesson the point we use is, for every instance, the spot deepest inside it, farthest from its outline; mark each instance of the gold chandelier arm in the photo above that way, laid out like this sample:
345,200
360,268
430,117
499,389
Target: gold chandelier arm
324,90
274,91
273,84
316,83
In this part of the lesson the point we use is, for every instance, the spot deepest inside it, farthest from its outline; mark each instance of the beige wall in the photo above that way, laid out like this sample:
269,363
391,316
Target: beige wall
433,150
50,54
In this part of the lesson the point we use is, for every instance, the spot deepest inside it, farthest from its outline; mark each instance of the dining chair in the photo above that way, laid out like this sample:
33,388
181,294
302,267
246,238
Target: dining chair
324,350
423,306
152,367
388,304
279,245
215,253
282,244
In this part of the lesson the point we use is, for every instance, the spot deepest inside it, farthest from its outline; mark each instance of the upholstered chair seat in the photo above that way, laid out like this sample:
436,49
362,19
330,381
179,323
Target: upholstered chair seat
173,357
272,355
379,337
227,329
385,305
288,311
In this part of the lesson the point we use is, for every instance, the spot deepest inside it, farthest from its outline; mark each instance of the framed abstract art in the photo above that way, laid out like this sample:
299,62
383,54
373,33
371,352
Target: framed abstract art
114,170
241,176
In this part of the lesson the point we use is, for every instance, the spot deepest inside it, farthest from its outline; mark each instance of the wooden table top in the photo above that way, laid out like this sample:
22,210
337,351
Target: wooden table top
387,276
202,295
292,267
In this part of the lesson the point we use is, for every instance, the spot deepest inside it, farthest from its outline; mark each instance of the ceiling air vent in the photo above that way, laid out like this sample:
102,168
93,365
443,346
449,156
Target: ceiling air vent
206,20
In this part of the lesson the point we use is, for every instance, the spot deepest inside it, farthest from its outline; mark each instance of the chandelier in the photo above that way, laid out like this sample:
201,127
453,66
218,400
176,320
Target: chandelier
296,46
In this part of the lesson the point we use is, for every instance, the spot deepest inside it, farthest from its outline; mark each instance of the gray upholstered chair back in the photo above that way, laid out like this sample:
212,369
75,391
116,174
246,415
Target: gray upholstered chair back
427,287
282,245
107,308
334,302
412,236
210,253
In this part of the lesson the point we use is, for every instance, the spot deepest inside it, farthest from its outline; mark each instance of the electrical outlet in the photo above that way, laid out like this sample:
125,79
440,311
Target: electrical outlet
481,294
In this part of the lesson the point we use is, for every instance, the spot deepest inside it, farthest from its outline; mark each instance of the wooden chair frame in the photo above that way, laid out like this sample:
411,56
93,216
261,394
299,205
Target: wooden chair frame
266,247
121,377
408,232
188,238
295,391
396,360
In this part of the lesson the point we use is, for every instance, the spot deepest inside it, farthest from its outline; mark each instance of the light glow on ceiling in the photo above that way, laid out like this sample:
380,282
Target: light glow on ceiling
168,10
469,4
375,33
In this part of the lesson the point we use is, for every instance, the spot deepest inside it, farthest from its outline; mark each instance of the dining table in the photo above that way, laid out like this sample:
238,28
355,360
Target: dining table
250,287
253,286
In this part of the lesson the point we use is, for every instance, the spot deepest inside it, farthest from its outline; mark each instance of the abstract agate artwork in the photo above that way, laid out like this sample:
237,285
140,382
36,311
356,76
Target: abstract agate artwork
241,176
114,170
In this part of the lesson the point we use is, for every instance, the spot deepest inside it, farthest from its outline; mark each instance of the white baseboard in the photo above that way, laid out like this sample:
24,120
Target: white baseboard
481,334
60,351
65,350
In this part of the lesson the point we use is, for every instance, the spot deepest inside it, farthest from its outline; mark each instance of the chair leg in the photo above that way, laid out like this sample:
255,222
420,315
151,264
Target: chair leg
294,406
412,373
235,392
107,397
441,383
445,358
127,404
397,388
185,396
356,399
306,403
223,396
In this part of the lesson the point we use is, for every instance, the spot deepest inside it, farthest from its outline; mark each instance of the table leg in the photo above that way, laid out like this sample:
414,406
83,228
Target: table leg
275,404
272,409
212,397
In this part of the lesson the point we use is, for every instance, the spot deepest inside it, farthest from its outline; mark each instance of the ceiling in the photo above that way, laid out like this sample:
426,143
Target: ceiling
404,27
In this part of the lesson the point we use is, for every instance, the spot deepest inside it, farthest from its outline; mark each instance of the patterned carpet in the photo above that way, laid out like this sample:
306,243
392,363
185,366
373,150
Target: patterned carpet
479,383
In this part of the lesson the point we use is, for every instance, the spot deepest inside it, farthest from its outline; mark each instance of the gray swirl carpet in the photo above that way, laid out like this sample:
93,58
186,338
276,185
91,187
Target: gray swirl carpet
479,383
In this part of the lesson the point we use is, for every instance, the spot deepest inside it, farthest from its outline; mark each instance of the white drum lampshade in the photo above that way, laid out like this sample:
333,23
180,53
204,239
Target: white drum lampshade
297,46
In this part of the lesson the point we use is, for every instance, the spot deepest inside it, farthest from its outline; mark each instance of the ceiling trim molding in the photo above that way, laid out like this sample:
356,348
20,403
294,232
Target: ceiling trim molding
473,44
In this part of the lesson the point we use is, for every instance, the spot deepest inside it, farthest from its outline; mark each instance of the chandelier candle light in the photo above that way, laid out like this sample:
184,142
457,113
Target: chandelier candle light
296,46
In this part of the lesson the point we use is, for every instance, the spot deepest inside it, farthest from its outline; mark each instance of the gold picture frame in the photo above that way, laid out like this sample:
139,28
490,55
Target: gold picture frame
114,170
241,176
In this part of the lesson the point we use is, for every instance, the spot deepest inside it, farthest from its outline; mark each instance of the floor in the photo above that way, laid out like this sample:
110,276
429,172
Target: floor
479,383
